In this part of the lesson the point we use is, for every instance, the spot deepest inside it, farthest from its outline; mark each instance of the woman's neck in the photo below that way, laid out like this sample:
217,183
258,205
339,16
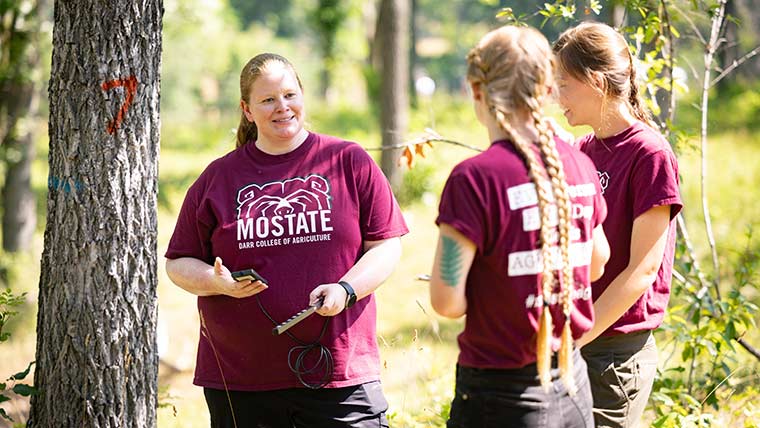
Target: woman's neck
522,125
614,120
282,147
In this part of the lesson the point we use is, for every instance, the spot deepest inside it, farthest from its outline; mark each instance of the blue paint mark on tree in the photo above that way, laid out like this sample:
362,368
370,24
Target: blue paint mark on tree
55,183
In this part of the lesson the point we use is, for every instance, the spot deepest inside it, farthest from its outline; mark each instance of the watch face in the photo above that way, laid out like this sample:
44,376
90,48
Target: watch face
351,300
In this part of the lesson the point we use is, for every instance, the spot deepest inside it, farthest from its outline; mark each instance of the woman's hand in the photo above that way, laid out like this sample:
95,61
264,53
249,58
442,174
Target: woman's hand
334,299
223,283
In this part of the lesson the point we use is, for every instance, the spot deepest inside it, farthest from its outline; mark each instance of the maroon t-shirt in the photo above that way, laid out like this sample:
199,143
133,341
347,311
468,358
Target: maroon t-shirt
490,200
637,171
299,219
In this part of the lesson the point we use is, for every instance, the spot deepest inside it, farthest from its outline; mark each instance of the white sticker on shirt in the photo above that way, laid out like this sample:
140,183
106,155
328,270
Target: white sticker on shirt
522,196
532,218
531,262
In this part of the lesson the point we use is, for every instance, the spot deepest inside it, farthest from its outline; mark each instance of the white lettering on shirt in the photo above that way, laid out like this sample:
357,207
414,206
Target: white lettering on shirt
301,223
531,263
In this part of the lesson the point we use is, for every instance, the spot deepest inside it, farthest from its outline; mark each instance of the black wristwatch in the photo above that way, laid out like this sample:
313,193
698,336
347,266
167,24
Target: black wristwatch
350,293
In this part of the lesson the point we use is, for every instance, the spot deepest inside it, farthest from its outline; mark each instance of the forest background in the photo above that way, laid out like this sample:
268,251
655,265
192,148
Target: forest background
706,377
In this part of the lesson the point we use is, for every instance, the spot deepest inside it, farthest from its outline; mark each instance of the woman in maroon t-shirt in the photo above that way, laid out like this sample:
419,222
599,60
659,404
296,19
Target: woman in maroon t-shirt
315,217
638,173
528,198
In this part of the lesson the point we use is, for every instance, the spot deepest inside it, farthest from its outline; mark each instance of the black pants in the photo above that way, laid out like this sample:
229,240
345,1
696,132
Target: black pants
360,406
493,398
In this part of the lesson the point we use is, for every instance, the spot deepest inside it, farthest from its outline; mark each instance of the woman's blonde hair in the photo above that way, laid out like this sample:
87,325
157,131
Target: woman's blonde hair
595,47
514,69
247,130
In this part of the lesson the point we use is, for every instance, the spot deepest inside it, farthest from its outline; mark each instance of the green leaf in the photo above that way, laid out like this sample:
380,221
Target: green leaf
25,390
3,398
5,415
730,332
22,375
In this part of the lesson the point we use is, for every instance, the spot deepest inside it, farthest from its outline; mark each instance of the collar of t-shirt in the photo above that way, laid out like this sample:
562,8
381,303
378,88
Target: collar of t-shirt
620,137
266,158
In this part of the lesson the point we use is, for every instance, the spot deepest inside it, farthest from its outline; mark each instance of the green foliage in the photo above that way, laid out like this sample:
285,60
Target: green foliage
418,182
735,106
8,301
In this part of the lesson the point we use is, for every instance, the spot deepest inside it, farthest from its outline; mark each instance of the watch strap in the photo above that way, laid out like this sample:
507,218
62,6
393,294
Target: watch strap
350,293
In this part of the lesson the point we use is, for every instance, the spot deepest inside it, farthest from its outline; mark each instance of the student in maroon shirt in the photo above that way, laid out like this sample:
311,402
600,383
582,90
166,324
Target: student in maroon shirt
315,216
527,199
638,173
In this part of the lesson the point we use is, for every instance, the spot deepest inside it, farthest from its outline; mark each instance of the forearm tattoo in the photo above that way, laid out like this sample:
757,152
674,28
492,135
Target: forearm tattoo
451,261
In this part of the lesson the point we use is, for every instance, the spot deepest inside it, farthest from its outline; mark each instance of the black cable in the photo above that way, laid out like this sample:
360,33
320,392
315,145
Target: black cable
303,349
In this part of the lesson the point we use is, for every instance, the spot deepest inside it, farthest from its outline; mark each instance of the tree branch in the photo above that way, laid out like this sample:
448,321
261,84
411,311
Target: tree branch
710,48
694,27
748,347
736,63
429,137
670,46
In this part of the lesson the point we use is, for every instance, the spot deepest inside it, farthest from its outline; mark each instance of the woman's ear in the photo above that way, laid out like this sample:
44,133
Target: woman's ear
599,82
246,110
477,94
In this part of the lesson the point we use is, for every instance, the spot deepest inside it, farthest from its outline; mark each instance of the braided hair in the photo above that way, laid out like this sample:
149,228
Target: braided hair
514,67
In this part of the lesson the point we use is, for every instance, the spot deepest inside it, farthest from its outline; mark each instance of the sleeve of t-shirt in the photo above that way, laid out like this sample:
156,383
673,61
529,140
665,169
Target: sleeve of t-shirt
192,234
380,216
655,183
462,209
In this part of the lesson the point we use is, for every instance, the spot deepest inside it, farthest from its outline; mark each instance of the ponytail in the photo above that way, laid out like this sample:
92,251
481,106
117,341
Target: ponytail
246,131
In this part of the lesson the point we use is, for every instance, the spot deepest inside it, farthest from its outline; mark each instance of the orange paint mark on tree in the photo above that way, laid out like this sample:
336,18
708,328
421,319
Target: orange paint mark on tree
130,88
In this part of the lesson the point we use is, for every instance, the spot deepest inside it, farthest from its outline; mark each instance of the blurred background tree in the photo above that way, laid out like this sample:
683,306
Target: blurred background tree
20,93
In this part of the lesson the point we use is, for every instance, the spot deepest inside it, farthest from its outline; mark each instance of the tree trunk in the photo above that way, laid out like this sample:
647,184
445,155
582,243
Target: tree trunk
413,57
19,102
19,203
96,346
393,34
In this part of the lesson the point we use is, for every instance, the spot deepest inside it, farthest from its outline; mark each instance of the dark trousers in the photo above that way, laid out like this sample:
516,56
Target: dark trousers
491,398
360,406
621,370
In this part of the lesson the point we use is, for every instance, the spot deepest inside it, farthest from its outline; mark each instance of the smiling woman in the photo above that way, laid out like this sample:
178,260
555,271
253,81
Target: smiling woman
314,215
274,107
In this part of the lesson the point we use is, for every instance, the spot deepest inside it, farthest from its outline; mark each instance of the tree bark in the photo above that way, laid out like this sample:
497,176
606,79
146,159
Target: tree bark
393,34
96,355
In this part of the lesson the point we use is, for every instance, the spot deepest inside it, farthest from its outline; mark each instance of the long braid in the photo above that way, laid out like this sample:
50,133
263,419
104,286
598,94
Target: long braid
513,68
556,172
635,100
536,174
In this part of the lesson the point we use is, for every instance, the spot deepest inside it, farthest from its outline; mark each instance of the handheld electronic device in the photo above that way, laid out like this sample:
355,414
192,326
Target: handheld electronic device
295,319
251,274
